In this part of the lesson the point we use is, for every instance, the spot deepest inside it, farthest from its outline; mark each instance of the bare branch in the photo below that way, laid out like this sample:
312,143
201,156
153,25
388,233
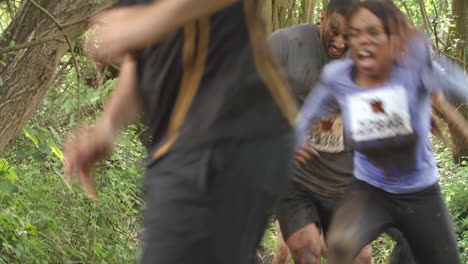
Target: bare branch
46,13
105,7
408,14
447,55
56,36
32,43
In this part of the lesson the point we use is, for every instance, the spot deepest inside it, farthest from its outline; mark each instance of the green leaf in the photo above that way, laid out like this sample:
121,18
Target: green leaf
38,157
31,135
7,186
54,132
56,150
7,171
21,154
67,106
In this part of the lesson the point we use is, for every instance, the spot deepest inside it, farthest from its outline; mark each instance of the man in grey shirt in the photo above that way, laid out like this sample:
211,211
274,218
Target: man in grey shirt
320,177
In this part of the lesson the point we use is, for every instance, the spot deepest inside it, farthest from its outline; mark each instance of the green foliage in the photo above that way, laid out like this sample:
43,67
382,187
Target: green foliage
454,182
46,219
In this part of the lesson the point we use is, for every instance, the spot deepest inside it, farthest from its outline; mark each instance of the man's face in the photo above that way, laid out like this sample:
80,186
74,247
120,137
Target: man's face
334,34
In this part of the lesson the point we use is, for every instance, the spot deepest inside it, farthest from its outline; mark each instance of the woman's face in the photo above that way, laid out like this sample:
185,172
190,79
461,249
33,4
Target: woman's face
370,45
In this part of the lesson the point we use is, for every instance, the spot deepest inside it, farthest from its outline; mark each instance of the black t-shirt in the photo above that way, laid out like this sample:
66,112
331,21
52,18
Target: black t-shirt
229,102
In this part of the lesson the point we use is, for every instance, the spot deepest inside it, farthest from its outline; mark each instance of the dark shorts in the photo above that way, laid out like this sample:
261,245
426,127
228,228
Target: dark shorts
422,218
211,205
298,207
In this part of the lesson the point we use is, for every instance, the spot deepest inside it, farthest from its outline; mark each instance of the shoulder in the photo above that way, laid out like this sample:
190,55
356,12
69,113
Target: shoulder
418,51
298,31
336,70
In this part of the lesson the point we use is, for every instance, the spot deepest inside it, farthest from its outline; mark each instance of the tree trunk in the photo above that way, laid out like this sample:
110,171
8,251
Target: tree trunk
460,10
27,74
308,7
285,13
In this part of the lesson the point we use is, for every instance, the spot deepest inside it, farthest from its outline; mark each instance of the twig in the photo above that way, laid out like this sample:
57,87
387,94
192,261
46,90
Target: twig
434,23
33,43
424,16
53,37
78,74
111,4
408,14
448,56
47,13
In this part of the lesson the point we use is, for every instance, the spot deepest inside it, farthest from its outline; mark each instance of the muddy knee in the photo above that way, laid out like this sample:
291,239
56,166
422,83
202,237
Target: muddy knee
283,255
365,256
340,251
305,256
305,245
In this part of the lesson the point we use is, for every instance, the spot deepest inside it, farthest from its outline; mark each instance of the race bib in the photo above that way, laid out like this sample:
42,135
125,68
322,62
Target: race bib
379,114
327,135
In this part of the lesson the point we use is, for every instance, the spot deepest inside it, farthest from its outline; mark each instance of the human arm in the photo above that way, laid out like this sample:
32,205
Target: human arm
129,28
451,80
319,103
88,145
450,115
278,42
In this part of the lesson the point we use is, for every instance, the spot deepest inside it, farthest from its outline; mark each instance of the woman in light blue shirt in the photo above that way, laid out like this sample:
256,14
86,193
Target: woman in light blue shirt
384,94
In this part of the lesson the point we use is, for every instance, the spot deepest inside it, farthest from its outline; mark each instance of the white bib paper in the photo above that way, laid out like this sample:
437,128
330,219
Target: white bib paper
379,114
327,135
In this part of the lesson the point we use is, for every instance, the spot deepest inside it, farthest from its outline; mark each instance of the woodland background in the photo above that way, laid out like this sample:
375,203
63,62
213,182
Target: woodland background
48,85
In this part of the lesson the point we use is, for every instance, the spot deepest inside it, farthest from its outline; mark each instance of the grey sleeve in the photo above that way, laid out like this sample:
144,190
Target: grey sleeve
278,42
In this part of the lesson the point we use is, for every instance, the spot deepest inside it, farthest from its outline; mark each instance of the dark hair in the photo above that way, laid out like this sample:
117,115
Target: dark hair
393,20
341,7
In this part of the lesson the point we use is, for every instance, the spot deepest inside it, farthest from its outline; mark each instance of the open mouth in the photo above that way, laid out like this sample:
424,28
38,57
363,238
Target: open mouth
365,58
335,52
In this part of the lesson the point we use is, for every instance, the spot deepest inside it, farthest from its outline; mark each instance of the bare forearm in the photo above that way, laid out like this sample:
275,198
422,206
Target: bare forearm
124,106
163,17
450,115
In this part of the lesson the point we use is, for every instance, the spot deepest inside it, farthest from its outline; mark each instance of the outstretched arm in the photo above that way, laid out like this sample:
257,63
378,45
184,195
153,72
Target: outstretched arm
88,145
452,80
319,103
125,29
450,115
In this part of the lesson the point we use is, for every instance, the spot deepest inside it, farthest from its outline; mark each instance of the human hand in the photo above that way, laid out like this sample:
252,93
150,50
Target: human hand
83,148
303,154
112,33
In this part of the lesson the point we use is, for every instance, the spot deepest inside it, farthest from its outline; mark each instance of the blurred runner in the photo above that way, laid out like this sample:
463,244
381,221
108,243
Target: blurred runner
320,177
220,118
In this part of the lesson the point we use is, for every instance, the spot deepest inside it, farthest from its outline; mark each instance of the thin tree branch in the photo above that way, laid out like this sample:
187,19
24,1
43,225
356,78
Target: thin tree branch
425,20
447,55
408,14
434,24
105,7
33,43
53,37
47,13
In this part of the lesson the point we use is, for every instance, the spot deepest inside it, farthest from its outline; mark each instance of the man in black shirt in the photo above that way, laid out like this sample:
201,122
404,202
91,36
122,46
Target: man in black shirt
220,119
